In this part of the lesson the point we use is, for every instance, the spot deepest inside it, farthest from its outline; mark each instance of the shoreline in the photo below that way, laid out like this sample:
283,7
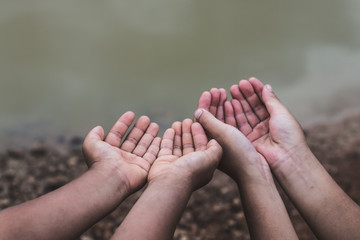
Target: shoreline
12,140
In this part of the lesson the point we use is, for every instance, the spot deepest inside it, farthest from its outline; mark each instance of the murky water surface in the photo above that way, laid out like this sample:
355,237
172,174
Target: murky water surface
66,66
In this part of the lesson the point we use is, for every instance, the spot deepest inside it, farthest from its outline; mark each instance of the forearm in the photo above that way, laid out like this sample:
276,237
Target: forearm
64,213
264,209
330,213
156,213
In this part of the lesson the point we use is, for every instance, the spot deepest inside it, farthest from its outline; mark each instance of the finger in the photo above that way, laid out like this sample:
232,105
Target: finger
241,120
177,139
199,137
135,134
167,143
253,100
214,151
250,115
229,114
272,102
220,108
257,85
212,125
205,100
187,139
119,129
260,130
215,147
215,98
146,140
95,135
153,150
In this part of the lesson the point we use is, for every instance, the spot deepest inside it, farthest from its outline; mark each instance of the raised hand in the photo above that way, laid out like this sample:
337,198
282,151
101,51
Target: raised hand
130,160
269,125
260,198
213,102
185,152
242,153
113,174
248,112
186,162
276,135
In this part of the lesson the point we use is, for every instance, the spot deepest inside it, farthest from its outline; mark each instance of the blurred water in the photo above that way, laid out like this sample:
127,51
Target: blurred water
66,66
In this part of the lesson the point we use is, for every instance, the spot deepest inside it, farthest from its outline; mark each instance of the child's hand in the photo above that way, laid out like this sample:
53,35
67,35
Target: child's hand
186,154
277,136
240,158
114,173
260,198
130,160
267,123
186,162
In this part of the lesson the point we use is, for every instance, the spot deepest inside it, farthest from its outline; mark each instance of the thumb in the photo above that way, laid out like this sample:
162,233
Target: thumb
212,125
271,101
96,134
215,150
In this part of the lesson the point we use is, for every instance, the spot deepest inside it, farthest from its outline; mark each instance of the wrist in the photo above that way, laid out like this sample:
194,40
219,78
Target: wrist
294,164
157,211
255,172
175,181
302,174
112,179
259,181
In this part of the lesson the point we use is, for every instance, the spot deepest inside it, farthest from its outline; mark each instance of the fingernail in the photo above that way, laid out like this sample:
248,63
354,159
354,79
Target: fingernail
198,113
269,88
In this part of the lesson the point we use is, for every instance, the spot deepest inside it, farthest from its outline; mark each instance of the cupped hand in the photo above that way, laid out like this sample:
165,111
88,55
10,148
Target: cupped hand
240,159
186,154
130,160
259,115
266,122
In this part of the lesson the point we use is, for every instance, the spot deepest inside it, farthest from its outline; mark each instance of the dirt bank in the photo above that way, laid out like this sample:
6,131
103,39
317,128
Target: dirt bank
214,212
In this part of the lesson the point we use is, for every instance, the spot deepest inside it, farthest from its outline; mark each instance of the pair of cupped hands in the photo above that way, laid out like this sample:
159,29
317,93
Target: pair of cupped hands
248,133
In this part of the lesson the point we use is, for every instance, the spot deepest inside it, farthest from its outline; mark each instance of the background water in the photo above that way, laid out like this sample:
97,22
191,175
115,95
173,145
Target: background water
66,66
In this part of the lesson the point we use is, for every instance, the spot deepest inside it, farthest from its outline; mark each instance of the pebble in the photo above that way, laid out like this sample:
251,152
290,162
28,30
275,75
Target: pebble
72,161
39,150
15,153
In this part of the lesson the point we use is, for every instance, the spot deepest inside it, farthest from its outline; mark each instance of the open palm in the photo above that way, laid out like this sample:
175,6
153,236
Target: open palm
272,136
185,152
131,159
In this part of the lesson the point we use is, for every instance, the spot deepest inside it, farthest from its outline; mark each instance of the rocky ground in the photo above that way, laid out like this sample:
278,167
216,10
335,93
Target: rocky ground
214,212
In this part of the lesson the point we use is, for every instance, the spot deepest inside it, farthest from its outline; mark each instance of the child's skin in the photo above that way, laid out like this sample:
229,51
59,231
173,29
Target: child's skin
277,136
264,209
114,173
186,162
258,134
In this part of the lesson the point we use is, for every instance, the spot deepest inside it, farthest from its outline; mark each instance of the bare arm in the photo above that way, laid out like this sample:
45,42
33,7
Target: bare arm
115,172
157,212
66,212
328,210
264,209
330,213
186,162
